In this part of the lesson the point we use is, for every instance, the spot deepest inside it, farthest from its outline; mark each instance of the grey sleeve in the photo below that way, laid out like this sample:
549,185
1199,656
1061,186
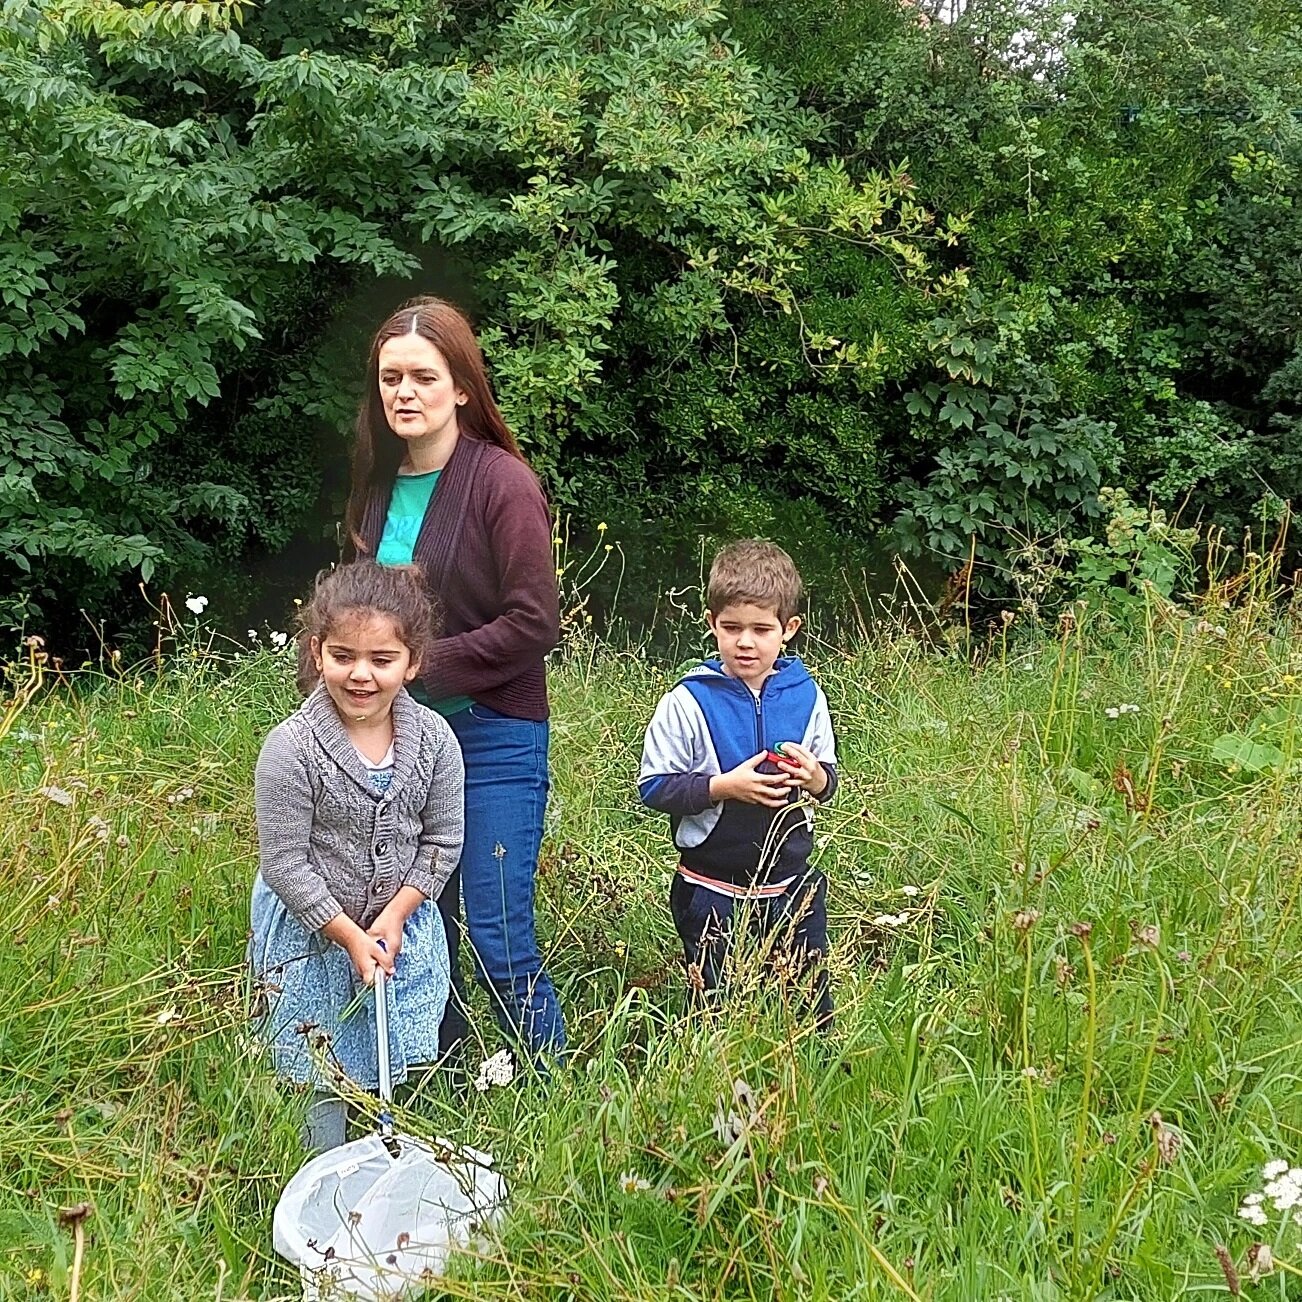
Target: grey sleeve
282,794
676,770
820,739
438,850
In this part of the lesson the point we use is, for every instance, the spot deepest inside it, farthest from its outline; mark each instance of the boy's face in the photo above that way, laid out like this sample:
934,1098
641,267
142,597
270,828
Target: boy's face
750,639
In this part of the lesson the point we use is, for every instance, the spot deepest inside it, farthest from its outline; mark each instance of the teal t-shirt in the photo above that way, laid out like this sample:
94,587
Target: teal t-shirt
407,507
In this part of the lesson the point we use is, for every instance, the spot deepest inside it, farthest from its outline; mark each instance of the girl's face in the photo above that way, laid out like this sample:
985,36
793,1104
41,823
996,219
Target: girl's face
416,387
364,664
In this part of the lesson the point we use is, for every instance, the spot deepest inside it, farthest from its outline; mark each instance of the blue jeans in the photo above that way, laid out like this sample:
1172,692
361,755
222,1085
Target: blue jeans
506,795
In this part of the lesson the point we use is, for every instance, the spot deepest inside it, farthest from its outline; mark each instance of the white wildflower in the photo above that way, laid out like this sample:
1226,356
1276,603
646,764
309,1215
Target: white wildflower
52,902
56,794
195,605
99,827
1252,1199
279,640
1285,1193
1253,1215
497,1070
1273,1170
167,1016
253,635
632,1183
1112,712
1129,709
180,796
910,891
890,919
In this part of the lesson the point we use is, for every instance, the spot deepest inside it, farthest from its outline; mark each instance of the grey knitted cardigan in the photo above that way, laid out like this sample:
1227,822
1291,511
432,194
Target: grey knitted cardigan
327,843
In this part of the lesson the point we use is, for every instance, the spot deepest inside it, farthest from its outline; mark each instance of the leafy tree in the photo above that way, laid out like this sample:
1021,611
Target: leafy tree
188,201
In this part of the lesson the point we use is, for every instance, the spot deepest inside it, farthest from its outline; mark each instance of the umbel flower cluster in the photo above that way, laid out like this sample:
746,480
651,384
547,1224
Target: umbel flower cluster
1282,1193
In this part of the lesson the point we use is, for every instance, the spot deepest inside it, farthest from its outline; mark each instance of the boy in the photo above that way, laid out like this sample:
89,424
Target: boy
736,803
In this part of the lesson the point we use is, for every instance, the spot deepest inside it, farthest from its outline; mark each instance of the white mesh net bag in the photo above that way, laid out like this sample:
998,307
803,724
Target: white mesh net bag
378,1218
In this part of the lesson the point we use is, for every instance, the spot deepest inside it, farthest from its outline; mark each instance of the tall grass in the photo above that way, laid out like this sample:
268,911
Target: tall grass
1066,963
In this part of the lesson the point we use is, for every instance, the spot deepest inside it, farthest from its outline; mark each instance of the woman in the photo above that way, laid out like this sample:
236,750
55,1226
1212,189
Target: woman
439,480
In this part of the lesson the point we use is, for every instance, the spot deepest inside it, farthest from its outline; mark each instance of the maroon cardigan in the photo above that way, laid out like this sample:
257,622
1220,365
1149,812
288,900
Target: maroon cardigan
485,549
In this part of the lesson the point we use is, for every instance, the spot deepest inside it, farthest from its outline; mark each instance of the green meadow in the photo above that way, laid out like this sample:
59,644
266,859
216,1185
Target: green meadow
1064,870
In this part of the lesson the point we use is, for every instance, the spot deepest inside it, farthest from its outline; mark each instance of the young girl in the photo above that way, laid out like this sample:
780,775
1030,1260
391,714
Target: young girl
359,799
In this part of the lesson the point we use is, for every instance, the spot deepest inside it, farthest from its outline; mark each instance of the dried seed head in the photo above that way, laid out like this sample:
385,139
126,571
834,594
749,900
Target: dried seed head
1147,936
74,1215
1168,1141
1082,930
1227,1269
1024,920
1261,1261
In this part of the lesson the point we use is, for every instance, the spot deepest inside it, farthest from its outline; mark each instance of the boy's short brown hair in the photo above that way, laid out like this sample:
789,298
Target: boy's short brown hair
754,572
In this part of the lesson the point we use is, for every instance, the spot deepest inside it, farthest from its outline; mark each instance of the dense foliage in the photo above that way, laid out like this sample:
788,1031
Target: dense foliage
952,276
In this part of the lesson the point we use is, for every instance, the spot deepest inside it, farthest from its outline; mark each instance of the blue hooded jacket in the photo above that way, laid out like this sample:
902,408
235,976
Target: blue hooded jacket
708,724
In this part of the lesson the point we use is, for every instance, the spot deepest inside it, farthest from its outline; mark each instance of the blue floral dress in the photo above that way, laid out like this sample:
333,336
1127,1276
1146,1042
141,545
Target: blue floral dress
319,1017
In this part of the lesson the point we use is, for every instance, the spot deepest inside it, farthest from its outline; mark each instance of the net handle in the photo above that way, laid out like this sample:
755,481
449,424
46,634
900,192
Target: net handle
382,1049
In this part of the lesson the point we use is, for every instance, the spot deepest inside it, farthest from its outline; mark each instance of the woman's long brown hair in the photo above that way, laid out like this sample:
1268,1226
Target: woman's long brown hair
379,451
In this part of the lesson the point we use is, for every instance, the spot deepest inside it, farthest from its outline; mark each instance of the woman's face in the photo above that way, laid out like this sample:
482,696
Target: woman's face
416,386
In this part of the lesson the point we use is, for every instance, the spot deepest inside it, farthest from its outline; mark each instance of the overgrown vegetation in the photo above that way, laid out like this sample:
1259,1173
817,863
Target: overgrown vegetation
949,273
1065,882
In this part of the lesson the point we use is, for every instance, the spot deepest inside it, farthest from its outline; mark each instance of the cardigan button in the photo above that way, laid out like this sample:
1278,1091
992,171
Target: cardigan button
381,849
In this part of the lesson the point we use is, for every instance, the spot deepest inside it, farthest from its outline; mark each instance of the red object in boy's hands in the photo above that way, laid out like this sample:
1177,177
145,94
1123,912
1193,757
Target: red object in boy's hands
776,756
